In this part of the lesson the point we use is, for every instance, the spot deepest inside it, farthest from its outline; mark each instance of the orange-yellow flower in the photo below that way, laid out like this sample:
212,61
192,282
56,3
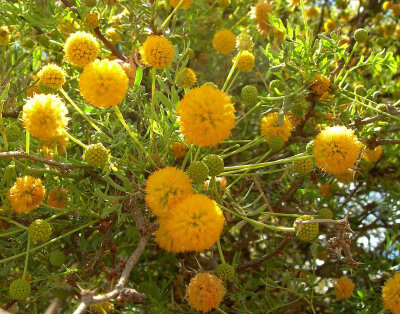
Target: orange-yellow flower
344,287
179,149
185,4
81,48
165,188
224,41
372,155
91,20
26,194
206,116
45,116
391,294
52,76
271,126
188,79
336,149
57,198
103,83
157,52
245,62
193,224
205,292
320,84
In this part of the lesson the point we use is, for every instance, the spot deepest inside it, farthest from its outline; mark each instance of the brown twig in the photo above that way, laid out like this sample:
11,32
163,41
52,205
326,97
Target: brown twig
278,250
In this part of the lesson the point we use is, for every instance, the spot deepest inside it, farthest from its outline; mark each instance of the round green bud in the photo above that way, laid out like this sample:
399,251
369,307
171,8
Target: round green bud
28,43
224,3
44,40
299,109
244,42
214,163
325,213
310,147
218,21
345,116
249,94
276,84
198,172
307,232
303,166
96,155
19,289
361,35
39,231
360,90
382,107
13,132
225,271
189,54
57,258
276,143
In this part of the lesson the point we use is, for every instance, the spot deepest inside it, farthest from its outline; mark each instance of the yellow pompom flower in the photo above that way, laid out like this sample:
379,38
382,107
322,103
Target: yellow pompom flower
165,188
179,149
103,83
81,48
45,116
344,288
193,224
312,12
205,292
4,35
270,127
91,21
260,12
157,52
185,4
52,76
26,194
206,116
372,155
112,35
346,177
329,25
391,294
246,61
224,41
188,80
336,149
320,84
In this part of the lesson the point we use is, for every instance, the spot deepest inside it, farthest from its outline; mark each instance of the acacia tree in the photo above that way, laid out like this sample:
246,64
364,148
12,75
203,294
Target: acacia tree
232,156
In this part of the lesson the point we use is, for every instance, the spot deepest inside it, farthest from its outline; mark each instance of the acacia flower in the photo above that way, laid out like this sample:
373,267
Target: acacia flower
157,52
26,194
206,116
224,41
372,155
391,294
103,83
344,287
81,48
271,126
52,76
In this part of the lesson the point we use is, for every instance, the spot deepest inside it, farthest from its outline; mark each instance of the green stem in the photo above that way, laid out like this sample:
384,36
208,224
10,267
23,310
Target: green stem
233,81
27,256
3,131
9,234
257,223
254,142
27,142
232,70
233,173
80,111
345,64
218,309
196,155
187,156
13,222
74,139
297,91
153,91
172,13
138,145
48,242
248,112
221,255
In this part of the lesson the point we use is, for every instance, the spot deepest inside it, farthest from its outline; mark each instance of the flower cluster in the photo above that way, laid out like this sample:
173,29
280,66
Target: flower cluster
224,41
26,194
274,126
81,48
157,52
344,288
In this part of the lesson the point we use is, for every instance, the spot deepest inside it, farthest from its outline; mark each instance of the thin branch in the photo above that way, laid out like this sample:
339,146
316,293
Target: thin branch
278,250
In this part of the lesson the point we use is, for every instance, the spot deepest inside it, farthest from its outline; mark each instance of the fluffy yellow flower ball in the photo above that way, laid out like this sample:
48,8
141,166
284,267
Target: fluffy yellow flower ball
260,12
344,287
336,149
246,61
45,116
185,4
271,127
112,35
206,116
91,21
224,41
26,194
372,155
205,292
312,12
81,48
391,294
103,83
188,79
4,35
346,177
52,76
157,52
165,188
329,25
193,224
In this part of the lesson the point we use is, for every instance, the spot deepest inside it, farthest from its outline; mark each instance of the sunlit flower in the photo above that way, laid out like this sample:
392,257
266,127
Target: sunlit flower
81,48
224,41
157,52
272,126
52,76
26,194
391,294
344,288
